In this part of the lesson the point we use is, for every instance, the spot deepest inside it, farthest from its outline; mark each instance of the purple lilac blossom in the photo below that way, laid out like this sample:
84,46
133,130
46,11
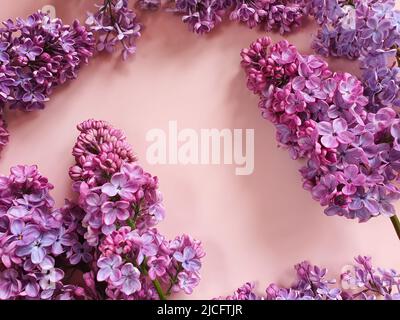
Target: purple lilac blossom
109,237
354,28
36,240
271,15
367,30
115,24
122,206
202,16
38,54
322,116
360,282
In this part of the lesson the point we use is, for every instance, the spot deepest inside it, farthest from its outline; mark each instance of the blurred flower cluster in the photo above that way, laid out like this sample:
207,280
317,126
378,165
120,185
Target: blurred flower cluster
109,235
203,15
368,30
115,24
352,152
360,282
36,55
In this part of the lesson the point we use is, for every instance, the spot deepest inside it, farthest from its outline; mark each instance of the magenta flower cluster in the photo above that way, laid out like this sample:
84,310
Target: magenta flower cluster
38,54
360,282
202,16
115,24
122,205
352,153
109,236
367,30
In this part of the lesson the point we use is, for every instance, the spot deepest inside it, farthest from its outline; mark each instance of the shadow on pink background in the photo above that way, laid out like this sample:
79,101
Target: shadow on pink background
254,228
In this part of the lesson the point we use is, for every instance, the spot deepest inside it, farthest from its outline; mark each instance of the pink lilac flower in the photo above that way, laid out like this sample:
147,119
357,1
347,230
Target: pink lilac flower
335,133
10,286
188,259
355,27
351,178
115,24
129,281
114,210
245,292
119,242
109,268
100,151
322,116
22,234
146,246
363,282
122,206
62,240
121,185
157,266
186,282
32,235
373,37
203,16
110,235
37,55
80,252
36,249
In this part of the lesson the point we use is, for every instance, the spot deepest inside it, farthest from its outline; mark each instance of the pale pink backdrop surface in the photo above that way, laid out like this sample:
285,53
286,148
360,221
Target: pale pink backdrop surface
254,228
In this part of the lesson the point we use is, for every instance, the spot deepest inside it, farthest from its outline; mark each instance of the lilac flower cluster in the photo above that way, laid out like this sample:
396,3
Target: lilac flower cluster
202,16
36,55
368,30
122,205
281,15
361,282
115,23
353,28
36,241
110,236
328,11
352,154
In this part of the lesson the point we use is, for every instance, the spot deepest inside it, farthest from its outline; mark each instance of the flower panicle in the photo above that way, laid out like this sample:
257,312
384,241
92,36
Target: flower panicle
352,150
359,282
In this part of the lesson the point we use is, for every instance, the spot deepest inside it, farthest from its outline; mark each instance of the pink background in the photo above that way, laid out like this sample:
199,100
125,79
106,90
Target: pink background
254,228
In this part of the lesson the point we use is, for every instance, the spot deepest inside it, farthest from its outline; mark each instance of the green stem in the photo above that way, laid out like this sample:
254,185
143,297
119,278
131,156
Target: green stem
159,290
396,224
131,223
155,282
174,280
